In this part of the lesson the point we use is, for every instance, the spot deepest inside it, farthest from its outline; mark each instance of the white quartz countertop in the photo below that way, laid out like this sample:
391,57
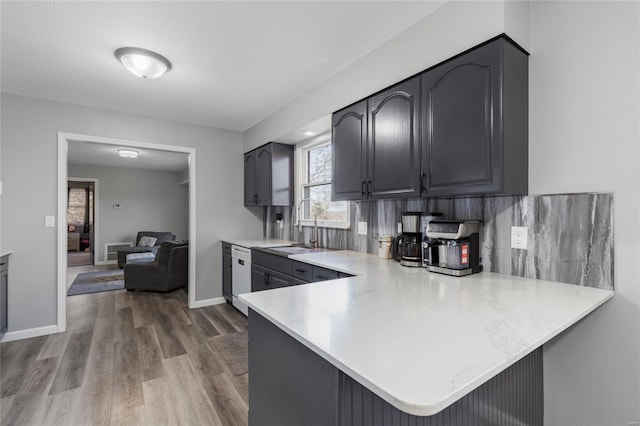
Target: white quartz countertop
5,253
421,340
257,242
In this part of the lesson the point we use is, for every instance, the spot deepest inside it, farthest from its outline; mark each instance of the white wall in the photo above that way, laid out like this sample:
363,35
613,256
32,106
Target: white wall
453,28
584,136
150,200
29,168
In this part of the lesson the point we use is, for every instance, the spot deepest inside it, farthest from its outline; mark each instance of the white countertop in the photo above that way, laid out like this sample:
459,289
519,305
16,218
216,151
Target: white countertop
257,242
5,253
421,340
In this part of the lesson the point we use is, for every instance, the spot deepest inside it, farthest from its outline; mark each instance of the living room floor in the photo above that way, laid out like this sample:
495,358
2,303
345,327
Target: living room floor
137,358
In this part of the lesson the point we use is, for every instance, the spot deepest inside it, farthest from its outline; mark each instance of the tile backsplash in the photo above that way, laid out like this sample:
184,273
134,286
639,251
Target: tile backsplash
570,235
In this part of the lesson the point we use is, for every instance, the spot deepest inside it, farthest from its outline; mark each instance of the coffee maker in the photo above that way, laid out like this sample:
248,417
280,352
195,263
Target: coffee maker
453,248
407,248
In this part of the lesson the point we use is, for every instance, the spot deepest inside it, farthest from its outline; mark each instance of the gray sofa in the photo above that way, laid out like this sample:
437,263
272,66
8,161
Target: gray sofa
161,237
168,272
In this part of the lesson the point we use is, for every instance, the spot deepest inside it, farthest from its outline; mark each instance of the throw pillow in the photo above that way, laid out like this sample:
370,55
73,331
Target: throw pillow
147,241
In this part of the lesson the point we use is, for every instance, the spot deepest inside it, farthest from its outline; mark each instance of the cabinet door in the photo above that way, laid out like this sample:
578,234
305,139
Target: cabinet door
259,277
462,124
349,133
394,142
277,280
227,263
263,176
250,179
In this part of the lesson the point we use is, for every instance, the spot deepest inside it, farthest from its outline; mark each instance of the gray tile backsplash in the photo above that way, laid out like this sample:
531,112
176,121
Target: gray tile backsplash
570,235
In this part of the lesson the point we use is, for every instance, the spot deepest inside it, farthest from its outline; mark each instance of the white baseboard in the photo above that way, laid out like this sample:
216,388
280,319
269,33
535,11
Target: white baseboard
30,332
209,302
105,262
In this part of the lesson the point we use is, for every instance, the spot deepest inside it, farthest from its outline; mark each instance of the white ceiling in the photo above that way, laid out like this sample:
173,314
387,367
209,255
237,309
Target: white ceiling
106,155
234,62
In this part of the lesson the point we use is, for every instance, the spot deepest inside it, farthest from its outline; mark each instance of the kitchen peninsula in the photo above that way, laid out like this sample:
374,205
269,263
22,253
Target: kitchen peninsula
395,344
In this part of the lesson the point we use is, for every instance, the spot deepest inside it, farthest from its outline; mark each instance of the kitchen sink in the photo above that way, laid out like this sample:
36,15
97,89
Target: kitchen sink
296,249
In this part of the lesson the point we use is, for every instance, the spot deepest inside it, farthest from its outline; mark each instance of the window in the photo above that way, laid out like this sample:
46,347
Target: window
314,187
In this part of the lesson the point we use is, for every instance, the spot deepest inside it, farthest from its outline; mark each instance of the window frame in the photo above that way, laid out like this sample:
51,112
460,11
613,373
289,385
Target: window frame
301,176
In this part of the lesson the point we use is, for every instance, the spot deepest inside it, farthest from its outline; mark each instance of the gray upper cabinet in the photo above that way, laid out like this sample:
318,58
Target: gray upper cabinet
474,128
268,176
349,133
459,128
376,146
393,150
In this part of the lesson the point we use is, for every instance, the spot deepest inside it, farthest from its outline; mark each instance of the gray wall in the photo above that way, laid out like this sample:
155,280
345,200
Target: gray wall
29,166
150,200
584,137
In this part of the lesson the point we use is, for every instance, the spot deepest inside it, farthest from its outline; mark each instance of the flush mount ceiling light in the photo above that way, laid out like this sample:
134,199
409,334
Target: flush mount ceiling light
309,133
128,153
142,62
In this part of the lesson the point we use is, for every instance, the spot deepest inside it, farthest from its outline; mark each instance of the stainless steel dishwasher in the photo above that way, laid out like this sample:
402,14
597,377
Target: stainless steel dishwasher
241,276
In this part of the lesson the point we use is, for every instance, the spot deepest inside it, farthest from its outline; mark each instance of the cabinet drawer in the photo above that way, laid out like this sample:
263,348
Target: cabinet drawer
226,248
280,264
298,281
302,271
344,275
260,258
323,274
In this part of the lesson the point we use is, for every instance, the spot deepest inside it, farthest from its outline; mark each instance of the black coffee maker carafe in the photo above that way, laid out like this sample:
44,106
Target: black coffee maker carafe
407,248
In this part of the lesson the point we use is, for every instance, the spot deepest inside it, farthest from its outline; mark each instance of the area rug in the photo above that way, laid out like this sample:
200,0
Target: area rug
233,348
95,282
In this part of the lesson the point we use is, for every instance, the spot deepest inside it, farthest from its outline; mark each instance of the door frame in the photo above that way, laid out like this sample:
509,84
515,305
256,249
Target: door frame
95,212
63,146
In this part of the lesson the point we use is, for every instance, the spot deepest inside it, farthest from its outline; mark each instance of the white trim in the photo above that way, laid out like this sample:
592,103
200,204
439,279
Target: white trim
300,179
29,332
209,302
95,212
63,146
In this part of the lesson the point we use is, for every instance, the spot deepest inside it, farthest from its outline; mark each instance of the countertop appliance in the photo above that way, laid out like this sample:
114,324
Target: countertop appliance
453,247
240,276
407,248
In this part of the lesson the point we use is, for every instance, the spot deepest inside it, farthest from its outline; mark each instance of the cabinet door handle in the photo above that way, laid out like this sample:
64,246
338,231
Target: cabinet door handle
369,188
266,278
364,188
423,186
301,271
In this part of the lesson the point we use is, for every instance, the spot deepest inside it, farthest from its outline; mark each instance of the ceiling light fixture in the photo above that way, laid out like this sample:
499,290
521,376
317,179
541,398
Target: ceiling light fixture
142,62
309,133
128,153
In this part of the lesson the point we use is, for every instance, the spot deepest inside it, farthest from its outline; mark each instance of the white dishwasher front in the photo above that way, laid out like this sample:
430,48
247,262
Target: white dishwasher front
240,276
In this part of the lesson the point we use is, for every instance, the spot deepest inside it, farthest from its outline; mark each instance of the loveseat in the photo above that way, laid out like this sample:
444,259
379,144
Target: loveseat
160,237
169,271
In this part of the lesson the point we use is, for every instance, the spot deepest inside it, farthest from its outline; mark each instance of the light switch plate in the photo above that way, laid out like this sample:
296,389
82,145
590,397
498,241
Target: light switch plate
362,228
49,221
519,237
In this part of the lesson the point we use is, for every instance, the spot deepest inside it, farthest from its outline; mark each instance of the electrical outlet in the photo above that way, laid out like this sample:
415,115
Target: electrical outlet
362,228
399,227
49,221
519,237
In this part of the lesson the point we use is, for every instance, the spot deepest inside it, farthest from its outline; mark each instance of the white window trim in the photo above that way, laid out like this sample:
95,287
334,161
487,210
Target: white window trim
301,180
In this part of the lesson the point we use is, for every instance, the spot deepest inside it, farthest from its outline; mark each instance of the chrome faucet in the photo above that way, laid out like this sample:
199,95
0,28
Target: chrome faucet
313,241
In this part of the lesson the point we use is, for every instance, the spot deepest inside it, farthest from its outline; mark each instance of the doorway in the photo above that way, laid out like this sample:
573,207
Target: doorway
81,196
64,139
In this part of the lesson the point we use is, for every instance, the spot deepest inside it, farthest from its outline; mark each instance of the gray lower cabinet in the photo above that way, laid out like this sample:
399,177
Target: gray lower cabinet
227,264
4,293
474,123
291,386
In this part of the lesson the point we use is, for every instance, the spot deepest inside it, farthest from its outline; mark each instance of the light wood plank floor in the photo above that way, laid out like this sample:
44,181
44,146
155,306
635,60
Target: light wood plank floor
135,358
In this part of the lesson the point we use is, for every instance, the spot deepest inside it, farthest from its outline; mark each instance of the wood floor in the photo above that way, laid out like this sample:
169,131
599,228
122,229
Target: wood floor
130,358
